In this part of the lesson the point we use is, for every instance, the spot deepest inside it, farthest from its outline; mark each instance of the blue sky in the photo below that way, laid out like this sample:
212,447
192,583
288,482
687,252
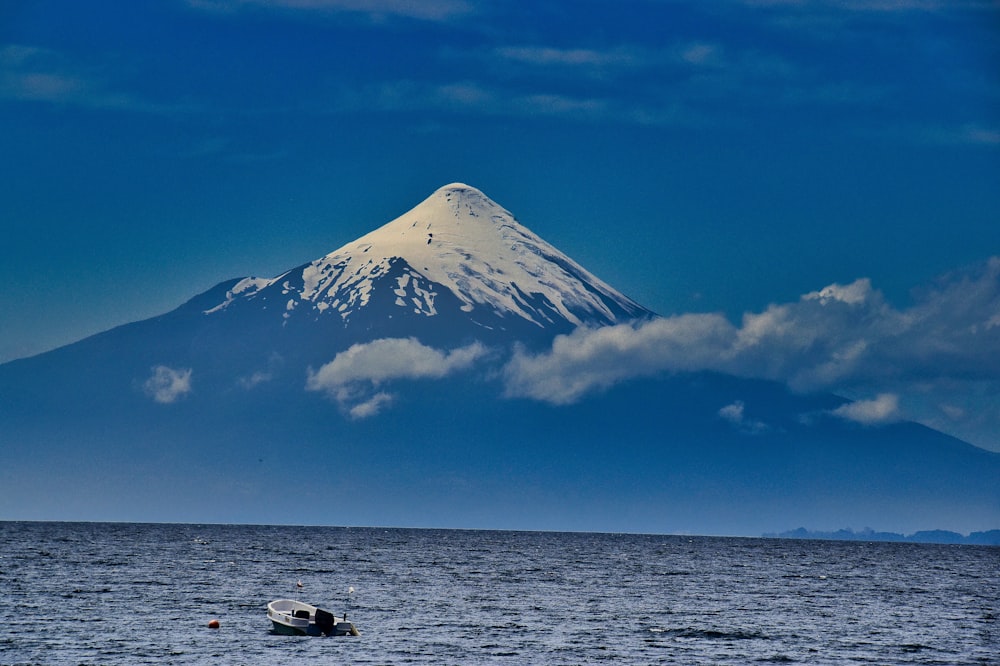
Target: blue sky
732,165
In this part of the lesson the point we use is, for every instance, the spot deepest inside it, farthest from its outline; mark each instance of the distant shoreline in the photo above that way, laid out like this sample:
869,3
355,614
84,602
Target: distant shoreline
987,538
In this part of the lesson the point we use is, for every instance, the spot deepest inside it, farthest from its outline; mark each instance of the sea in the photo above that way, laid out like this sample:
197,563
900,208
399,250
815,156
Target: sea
118,593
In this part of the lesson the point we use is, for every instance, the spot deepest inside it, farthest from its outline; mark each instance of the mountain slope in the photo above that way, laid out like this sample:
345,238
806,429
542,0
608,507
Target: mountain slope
650,456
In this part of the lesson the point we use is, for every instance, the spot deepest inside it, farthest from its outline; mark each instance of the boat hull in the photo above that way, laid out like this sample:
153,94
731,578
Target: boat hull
285,630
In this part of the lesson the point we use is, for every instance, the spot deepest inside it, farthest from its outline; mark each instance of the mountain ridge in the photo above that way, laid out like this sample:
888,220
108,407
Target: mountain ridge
981,538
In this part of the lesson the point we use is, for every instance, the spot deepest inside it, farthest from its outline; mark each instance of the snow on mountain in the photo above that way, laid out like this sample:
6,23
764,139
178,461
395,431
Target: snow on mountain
457,248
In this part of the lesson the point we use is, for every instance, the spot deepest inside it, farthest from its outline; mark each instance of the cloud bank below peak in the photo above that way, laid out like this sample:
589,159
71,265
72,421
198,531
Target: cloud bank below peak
936,362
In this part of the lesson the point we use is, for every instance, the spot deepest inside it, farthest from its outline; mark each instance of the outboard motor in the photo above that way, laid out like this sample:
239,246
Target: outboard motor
324,621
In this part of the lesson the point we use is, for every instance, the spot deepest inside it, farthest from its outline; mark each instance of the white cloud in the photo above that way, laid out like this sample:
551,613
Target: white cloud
733,412
351,377
884,408
391,358
167,385
589,359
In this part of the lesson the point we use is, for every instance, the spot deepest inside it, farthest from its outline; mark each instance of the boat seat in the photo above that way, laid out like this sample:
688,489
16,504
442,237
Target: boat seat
302,614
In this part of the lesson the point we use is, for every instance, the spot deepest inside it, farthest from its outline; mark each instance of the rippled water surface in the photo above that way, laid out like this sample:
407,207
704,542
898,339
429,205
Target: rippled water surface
89,593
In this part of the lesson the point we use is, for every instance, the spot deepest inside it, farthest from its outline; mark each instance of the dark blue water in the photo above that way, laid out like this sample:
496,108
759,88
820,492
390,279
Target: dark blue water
83,593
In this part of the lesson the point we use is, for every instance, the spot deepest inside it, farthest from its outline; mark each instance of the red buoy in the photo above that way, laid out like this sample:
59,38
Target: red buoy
213,624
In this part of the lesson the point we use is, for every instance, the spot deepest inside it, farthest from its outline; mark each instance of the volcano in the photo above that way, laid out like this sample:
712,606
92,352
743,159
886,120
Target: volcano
366,388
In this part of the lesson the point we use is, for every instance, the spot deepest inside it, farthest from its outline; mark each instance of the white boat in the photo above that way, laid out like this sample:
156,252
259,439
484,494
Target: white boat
301,619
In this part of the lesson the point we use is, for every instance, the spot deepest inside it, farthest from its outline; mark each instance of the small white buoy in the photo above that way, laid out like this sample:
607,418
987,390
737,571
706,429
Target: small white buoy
298,584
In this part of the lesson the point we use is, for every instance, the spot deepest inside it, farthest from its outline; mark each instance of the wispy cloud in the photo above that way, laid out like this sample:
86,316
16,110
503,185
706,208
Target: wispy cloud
167,385
369,406
694,56
688,80
685,83
352,377
547,56
375,10
969,134
254,379
735,413
33,74
842,338
262,376
489,99
874,6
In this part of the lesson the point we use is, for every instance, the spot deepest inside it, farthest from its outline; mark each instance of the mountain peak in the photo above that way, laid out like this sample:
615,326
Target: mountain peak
456,186
460,192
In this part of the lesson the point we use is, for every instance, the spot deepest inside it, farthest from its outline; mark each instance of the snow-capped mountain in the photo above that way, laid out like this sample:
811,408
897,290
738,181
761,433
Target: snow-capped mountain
459,257
243,405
